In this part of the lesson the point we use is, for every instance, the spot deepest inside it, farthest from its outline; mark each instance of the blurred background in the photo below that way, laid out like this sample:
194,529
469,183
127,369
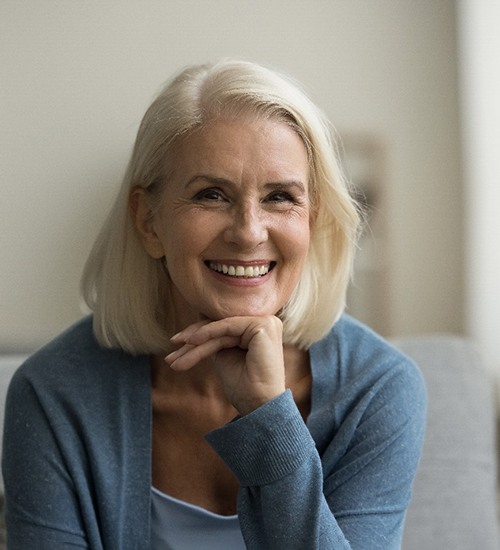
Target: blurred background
412,87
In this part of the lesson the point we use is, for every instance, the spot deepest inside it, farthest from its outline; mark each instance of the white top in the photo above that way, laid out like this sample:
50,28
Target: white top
178,525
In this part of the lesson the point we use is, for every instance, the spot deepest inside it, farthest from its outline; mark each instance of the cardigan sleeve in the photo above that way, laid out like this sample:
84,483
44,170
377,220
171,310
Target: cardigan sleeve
280,502
42,510
353,496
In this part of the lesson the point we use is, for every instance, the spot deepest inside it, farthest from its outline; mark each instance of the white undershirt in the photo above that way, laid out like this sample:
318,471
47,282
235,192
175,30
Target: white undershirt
178,525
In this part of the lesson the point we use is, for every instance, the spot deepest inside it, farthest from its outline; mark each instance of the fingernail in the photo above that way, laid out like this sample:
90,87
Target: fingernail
171,356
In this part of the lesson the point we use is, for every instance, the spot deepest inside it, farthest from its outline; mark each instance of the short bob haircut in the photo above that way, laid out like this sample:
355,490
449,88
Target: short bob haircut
129,291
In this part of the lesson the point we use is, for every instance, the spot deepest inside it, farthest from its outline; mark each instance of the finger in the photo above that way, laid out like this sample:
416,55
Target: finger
182,336
171,357
239,327
189,355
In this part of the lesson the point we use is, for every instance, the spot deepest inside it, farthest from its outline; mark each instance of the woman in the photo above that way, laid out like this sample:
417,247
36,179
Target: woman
218,397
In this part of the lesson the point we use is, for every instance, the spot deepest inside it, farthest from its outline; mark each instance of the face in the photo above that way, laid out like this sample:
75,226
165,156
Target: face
234,225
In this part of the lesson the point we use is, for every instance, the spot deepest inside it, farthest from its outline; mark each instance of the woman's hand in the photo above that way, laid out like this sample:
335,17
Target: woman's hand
248,353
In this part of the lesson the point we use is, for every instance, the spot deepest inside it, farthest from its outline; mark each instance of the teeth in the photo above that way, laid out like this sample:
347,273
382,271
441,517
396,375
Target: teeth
239,270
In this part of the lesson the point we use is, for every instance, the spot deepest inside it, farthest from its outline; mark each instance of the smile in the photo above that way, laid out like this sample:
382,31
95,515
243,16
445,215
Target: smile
241,271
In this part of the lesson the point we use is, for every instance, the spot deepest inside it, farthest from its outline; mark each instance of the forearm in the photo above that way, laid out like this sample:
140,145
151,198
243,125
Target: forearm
281,502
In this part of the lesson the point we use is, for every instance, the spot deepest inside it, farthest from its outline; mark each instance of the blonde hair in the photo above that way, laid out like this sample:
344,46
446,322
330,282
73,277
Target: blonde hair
129,292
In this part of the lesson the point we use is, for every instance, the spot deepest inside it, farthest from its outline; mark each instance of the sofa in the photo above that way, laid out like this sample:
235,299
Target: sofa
8,364
455,496
454,505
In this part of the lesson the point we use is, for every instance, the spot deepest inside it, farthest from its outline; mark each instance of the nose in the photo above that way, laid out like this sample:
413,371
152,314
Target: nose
247,226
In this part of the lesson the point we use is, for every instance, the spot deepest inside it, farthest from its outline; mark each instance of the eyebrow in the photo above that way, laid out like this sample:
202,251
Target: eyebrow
272,185
210,179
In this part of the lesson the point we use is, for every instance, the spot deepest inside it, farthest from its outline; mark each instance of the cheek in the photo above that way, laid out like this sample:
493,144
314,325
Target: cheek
183,234
298,239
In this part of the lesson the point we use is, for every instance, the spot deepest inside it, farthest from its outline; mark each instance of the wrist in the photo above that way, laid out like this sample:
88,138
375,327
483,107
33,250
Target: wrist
248,406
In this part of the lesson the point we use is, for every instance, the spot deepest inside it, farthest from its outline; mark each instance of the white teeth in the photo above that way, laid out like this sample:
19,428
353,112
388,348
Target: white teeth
239,270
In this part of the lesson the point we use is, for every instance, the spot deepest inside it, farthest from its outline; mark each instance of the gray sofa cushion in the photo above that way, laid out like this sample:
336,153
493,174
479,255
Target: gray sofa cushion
454,503
8,364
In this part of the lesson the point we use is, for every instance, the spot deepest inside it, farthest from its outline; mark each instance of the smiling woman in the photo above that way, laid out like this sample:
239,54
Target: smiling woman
218,396
138,317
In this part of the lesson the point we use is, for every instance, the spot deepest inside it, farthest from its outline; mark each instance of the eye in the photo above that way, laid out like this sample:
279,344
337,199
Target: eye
210,195
280,196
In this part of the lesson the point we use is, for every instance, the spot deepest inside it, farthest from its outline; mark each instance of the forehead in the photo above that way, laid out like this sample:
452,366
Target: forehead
248,144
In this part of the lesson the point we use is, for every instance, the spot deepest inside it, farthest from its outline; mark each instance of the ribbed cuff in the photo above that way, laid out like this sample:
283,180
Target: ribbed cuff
265,445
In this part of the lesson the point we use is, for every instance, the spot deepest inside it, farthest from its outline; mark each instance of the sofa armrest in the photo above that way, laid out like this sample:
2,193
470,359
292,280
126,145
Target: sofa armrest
455,492
8,365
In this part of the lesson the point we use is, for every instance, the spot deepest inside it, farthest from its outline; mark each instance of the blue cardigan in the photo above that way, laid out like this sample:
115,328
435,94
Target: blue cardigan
77,449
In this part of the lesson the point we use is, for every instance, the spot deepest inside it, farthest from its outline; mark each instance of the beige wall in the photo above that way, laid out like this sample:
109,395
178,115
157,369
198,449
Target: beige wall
77,76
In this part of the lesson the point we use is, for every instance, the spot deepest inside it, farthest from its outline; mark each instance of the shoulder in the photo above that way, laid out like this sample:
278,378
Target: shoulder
74,364
359,369
354,348
77,434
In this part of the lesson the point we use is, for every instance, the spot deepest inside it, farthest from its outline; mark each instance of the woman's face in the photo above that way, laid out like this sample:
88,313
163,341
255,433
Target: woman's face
234,225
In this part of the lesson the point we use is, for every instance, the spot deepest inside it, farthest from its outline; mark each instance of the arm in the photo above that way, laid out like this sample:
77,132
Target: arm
42,510
281,503
356,494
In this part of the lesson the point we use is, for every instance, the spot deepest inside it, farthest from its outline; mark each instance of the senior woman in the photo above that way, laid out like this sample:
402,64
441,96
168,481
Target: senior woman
218,397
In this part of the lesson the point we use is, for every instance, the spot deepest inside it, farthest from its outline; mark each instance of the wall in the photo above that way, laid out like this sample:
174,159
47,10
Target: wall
77,76
480,83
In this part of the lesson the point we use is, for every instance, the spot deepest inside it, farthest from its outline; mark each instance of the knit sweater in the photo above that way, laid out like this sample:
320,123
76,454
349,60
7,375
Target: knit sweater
77,449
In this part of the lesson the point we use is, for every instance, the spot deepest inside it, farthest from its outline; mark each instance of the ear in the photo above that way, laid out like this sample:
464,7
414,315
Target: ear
143,219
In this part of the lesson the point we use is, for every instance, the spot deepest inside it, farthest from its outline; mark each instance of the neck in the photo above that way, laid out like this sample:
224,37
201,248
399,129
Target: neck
201,379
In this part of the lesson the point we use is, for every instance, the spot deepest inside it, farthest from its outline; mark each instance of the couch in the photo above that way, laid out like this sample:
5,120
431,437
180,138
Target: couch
455,494
8,364
455,497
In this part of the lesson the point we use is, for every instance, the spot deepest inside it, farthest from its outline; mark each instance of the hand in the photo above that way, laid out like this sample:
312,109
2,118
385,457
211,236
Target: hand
248,354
